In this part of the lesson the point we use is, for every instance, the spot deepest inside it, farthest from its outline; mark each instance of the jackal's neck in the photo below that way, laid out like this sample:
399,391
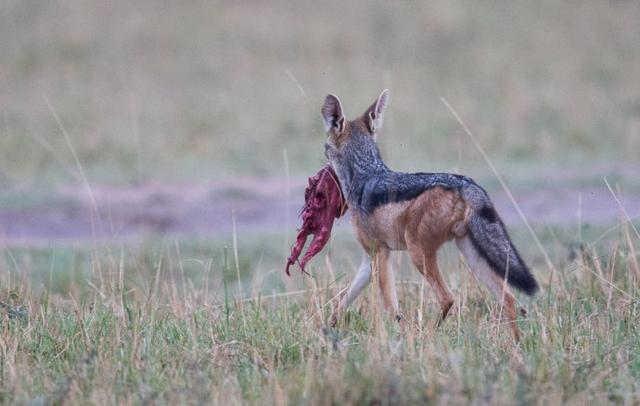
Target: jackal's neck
358,161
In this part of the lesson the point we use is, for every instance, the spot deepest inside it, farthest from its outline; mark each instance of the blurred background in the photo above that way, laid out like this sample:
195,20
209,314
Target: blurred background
136,130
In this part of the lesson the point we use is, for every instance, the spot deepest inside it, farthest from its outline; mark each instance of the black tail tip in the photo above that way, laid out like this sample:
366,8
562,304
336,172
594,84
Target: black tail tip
526,283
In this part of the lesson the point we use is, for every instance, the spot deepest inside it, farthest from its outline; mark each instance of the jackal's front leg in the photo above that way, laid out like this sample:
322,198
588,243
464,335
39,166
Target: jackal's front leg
361,280
387,281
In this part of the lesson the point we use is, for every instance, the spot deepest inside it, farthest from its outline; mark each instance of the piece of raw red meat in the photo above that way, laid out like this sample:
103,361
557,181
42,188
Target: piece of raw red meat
323,203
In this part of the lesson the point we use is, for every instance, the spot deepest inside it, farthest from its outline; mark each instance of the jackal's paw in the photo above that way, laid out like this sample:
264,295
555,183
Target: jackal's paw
333,336
333,320
523,312
447,310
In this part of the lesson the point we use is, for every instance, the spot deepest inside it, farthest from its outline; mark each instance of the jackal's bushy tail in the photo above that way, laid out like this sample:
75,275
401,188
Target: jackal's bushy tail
489,237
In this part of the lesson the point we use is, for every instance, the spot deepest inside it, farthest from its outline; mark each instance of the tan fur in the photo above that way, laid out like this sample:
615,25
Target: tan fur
421,226
434,217
384,227
508,303
387,281
338,138
496,285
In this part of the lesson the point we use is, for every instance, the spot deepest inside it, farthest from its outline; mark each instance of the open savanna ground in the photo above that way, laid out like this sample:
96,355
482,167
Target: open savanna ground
153,157
196,323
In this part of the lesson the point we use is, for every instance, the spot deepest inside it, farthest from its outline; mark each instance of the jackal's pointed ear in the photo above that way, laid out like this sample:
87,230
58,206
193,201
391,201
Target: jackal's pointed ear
333,115
374,114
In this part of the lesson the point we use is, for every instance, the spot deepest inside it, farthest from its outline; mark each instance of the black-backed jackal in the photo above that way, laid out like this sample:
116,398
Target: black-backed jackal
417,212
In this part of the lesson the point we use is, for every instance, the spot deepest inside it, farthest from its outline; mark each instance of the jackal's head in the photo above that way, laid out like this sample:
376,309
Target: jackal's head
342,132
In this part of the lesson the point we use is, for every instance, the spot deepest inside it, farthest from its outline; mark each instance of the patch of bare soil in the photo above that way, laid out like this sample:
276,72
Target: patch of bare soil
257,206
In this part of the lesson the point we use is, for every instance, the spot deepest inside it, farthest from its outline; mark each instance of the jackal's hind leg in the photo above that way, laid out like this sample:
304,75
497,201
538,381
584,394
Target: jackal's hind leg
491,280
427,263
361,280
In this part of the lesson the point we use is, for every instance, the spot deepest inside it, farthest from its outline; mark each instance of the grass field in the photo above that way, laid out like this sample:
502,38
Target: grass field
168,323
139,111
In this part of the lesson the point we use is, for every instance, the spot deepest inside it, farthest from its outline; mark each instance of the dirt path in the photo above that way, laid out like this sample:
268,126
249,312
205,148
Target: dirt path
207,210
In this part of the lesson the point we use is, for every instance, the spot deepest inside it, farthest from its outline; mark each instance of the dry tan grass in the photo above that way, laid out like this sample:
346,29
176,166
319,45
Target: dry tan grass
163,326
172,91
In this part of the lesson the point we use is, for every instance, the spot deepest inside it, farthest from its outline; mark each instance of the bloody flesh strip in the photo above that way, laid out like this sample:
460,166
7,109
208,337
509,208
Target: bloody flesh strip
323,203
